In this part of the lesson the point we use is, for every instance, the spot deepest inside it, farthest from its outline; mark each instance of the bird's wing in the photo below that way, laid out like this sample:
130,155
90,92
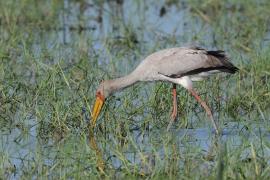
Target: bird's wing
188,61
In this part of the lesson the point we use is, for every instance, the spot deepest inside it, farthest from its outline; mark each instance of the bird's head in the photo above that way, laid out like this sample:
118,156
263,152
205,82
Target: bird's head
102,93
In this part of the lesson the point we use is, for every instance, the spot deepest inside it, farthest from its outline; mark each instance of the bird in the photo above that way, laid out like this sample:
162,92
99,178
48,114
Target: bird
177,65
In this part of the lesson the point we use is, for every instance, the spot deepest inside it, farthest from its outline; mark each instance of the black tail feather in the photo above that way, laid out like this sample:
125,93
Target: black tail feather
218,53
227,66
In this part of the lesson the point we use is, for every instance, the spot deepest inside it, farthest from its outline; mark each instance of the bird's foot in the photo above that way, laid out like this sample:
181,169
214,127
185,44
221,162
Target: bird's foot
173,118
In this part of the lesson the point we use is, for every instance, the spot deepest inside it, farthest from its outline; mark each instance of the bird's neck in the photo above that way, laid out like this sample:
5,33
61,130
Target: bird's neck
123,82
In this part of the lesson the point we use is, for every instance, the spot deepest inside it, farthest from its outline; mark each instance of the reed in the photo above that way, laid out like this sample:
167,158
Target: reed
50,68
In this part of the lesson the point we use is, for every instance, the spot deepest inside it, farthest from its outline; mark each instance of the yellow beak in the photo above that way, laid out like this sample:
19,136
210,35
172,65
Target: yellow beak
96,110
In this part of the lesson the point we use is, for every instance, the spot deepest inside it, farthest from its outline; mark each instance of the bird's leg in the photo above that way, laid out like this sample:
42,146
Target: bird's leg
174,112
207,109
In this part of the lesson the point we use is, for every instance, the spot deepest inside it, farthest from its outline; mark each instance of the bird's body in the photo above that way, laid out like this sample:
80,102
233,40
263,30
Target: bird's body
176,65
180,66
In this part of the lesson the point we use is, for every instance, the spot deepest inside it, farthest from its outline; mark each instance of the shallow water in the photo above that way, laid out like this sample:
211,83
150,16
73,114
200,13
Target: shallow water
21,144
234,135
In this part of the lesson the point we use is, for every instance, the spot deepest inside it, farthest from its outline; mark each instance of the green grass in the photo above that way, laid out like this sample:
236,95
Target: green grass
48,88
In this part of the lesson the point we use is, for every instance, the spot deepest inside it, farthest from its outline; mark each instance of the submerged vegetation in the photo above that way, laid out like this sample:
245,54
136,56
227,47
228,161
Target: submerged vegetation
54,54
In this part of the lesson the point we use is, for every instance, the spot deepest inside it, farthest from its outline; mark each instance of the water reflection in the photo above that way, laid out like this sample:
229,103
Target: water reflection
94,146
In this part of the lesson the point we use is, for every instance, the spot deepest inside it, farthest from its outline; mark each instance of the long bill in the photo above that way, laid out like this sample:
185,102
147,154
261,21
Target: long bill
96,110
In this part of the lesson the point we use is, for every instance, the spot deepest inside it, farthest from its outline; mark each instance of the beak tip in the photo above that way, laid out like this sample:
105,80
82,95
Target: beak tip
96,111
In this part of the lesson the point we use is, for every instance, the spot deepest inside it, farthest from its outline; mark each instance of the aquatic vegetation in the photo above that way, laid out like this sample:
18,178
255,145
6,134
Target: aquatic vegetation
54,54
